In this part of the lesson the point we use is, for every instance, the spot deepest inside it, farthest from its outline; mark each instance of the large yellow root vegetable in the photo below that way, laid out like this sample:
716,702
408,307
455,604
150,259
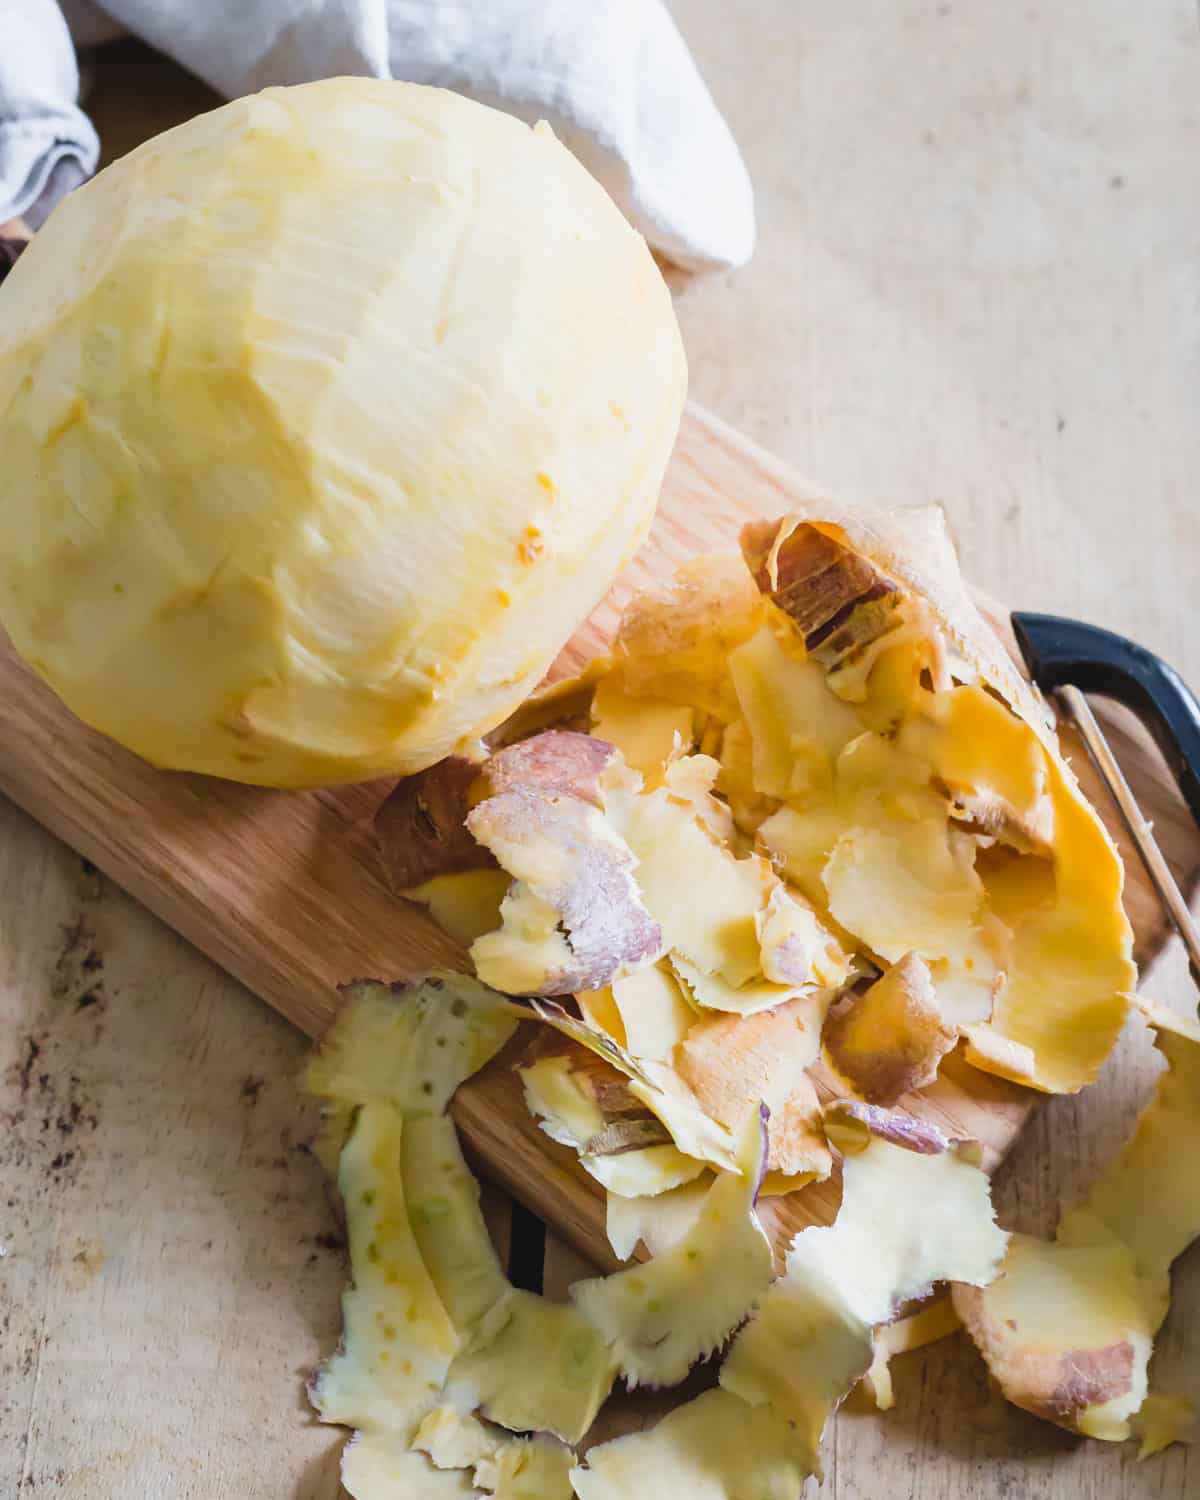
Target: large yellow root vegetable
324,419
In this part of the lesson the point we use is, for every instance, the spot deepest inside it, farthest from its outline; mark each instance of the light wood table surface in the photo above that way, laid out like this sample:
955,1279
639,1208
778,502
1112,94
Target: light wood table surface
978,280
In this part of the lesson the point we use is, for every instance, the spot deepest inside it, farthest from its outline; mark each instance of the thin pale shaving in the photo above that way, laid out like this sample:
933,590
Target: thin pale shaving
600,1008
730,1061
647,731
453,1439
907,1221
703,897
592,1097
714,1447
560,1103
994,771
796,948
654,1013
1148,1196
735,781
797,726
655,1221
780,1184
1068,1329
465,905
656,1085
380,1465
661,1317
800,842
1163,1420
397,1339
409,1044
534,1365
524,1469
528,952
1064,1332
583,1102
1069,971
675,645
643,1173
936,1320
911,886
443,1210
892,1038
713,992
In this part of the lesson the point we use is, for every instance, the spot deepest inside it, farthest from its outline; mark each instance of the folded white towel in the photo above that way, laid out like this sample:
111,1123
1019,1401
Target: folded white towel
613,77
47,144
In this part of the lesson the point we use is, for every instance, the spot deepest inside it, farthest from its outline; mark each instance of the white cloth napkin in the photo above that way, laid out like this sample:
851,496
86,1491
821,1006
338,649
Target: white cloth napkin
613,77
47,145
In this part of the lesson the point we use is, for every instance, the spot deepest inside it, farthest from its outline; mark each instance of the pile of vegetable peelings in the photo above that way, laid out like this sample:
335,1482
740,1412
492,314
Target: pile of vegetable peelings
805,834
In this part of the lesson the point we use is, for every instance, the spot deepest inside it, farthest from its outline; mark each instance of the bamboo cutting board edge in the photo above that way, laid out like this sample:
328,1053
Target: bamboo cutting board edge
281,888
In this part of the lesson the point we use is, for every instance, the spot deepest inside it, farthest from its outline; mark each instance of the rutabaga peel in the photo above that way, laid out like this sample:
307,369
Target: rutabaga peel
715,1447
797,727
653,1010
534,1365
662,1317
1064,1332
647,731
957,754
674,644
729,1062
432,1327
890,1039
380,1465
442,1198
524,1469
703,897
453,1439
656,1220
1068,1328
936,1320
712,992
795,946
658,1086
908,1219
411,1045
397,1340
643,1173
466,905
582,1101
574,915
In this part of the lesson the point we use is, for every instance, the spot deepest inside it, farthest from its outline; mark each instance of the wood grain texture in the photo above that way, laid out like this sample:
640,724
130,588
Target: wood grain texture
284,890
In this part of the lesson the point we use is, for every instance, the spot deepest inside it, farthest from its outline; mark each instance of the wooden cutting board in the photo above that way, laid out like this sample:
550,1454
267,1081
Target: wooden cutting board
282,888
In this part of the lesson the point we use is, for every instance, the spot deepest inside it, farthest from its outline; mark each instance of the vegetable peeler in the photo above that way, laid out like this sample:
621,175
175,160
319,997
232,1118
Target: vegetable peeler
1067,659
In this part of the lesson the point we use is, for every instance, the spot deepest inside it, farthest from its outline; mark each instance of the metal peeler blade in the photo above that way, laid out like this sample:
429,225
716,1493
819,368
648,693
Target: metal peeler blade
1067,658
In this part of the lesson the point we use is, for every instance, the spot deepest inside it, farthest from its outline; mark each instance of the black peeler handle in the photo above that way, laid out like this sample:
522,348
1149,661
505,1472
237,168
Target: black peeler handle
9,250
1058,652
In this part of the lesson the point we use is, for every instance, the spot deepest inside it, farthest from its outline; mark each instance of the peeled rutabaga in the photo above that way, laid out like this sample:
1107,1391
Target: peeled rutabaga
326,417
